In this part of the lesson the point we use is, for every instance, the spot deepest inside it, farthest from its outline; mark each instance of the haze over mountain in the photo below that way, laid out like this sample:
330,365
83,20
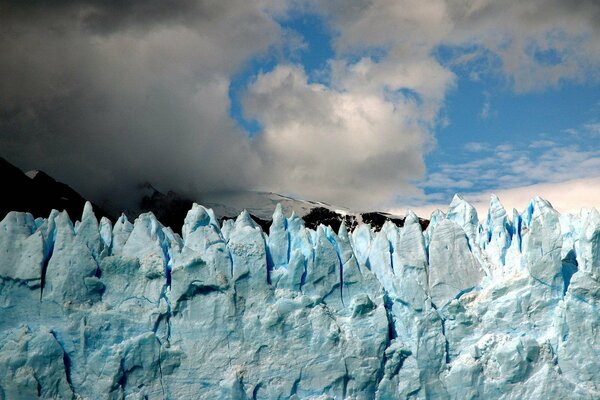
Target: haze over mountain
370,105
37,193
325,121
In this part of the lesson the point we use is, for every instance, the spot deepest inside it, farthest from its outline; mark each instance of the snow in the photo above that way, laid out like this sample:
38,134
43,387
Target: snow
261,204
32,174
503,308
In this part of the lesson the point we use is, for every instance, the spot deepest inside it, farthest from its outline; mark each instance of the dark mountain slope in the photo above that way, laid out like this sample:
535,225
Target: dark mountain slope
39,194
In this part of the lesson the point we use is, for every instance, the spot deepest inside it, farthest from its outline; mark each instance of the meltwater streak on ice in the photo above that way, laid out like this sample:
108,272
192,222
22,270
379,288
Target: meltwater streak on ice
506,308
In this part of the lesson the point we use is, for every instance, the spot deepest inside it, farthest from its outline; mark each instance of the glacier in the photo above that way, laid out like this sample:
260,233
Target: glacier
502,308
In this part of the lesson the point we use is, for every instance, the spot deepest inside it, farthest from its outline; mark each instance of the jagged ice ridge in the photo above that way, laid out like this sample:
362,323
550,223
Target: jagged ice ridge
503,309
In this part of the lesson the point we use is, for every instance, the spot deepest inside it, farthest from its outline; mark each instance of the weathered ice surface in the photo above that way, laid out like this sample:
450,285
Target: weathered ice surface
502,308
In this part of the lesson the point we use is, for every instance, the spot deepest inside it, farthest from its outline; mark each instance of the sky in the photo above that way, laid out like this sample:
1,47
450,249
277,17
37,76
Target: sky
381,104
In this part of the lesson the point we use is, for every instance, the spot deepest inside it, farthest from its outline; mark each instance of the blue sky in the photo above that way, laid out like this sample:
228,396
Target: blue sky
489,113
484,117
313,55
368,104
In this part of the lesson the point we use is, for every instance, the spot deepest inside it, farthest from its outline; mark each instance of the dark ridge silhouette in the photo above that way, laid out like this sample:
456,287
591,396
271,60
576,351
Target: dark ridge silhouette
322,215
39,195
170,209
377,219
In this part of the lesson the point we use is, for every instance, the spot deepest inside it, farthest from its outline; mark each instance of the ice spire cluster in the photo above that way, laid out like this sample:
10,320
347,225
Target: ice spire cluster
505,307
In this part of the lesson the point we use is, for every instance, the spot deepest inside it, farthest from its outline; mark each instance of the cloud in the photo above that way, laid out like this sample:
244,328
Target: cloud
105,94
360,140
542,143
540,164
347,145
486,110
535,44
539,43
113,16
566,197
593,128
475,146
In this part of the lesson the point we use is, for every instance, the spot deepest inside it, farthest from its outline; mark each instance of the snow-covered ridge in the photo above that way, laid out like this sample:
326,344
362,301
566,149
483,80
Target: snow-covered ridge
32,174
504,308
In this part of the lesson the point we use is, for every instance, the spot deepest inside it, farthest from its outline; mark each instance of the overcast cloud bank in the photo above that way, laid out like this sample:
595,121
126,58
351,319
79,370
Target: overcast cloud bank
104,95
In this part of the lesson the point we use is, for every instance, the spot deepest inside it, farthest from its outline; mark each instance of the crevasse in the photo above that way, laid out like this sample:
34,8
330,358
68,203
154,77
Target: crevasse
504,308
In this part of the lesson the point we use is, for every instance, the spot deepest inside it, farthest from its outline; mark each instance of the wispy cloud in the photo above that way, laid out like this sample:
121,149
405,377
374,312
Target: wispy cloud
475,146
567,197
103,94
542,143
590,128
486,110
506,167
593,128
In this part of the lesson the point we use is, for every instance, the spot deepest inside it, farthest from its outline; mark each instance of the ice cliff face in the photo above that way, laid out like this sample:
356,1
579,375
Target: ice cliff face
506,308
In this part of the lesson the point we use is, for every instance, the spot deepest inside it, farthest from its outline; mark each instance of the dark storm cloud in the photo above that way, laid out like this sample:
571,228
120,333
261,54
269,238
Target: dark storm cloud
104,95
110,16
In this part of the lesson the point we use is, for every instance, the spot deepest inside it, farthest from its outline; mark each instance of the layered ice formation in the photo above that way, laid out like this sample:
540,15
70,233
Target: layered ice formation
504,308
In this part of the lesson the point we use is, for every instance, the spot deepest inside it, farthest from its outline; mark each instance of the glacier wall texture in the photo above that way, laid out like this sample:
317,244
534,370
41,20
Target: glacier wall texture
506,308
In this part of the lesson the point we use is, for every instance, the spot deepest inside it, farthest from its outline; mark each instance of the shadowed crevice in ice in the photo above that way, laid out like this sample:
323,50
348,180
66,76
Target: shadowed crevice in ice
499,308
568,268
